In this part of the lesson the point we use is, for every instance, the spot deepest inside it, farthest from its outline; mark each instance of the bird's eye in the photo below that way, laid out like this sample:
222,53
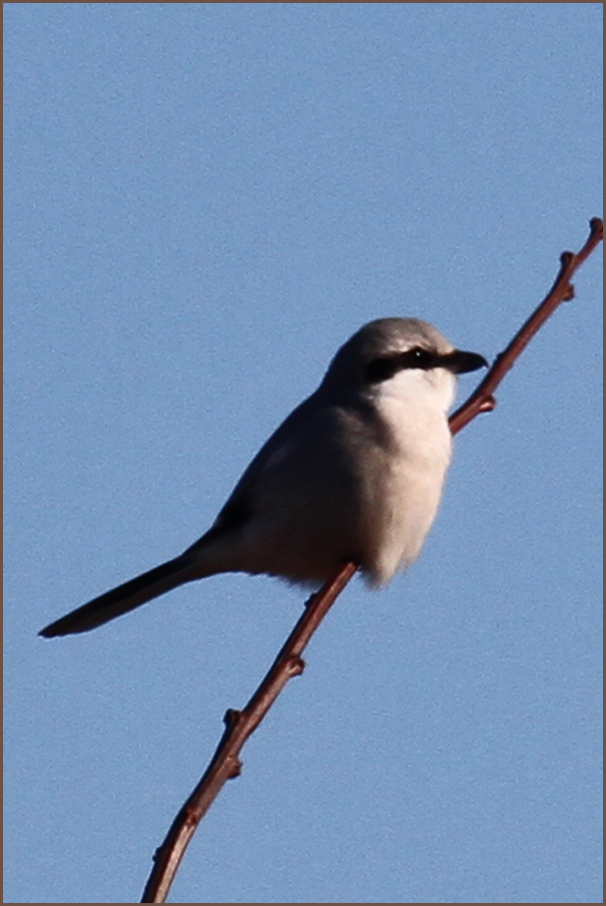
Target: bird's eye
420,358
384,367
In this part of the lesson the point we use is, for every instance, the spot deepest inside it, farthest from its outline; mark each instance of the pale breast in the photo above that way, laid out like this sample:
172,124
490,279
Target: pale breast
403,494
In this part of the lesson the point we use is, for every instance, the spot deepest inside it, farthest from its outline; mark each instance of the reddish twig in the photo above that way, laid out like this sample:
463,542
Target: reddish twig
482,399
239,725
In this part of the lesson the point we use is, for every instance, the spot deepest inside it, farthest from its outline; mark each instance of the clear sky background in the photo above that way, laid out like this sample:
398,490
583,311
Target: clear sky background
202,202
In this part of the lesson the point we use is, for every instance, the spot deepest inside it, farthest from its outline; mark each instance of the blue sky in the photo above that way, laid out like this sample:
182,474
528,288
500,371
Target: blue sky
202,202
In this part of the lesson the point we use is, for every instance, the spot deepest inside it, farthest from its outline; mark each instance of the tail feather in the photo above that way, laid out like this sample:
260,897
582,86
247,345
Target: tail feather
124,598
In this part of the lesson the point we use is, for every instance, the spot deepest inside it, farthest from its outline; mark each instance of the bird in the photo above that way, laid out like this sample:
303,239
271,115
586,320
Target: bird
354,474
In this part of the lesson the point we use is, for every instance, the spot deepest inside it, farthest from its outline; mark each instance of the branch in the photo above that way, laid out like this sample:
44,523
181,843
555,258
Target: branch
482,399
239,725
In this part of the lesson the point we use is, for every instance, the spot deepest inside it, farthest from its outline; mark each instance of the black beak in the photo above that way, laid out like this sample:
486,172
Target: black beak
461,362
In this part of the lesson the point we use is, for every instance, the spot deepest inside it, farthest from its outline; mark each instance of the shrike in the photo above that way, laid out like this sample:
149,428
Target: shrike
355,473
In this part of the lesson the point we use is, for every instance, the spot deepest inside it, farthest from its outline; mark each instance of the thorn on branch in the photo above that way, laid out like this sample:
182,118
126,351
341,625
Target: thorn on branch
296,666
231,718
191,817
235,769
488,404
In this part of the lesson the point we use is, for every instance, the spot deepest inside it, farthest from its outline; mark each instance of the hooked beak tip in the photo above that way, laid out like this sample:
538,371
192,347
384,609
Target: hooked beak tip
463,362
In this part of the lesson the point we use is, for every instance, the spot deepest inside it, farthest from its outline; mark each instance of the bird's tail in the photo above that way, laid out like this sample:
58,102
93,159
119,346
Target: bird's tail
125,597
